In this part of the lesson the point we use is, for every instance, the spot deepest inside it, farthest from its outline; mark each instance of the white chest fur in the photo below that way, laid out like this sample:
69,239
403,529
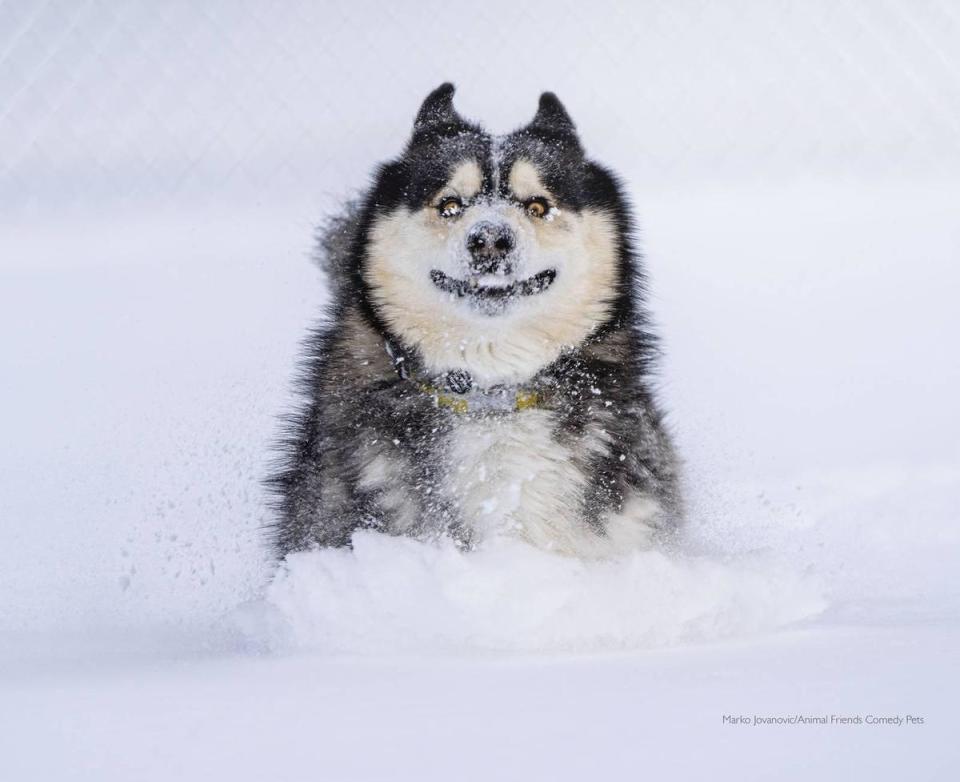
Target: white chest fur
509,476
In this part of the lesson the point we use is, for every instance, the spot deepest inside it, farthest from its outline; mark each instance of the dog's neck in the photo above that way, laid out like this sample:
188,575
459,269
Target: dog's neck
457,390
579,373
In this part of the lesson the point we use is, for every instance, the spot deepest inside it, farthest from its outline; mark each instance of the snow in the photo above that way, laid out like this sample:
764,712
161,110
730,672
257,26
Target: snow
478,718
415,597
804,276
144,363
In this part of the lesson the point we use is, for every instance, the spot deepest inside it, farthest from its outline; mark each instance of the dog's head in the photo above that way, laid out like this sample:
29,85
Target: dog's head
494,254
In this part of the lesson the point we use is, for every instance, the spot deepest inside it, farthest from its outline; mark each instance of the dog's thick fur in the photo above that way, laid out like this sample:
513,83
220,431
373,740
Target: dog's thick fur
484,367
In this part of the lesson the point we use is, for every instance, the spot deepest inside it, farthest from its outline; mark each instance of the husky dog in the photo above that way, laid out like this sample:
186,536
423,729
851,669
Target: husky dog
484,368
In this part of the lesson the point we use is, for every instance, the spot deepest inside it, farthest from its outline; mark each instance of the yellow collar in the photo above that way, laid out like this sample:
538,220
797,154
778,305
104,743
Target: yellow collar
470,400
480,402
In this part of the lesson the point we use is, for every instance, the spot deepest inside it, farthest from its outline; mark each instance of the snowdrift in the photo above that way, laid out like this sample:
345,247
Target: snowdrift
390,595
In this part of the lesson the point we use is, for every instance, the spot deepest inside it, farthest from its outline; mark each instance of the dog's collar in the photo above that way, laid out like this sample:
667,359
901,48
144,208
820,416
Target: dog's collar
456,390
498,400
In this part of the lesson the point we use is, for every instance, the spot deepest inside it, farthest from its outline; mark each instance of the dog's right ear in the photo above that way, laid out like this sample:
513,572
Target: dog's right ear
552,116
438,108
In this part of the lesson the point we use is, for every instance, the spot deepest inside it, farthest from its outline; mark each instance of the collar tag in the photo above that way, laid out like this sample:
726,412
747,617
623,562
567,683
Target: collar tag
459,393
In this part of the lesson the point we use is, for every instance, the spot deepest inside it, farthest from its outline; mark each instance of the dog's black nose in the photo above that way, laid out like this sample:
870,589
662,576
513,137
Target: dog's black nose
489,245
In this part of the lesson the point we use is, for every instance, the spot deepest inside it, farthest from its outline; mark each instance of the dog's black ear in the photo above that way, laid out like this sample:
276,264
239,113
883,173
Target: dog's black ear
551,115
437,109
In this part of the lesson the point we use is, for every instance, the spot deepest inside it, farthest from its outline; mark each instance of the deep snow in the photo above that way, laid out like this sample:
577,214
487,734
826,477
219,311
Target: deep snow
796,174
405,596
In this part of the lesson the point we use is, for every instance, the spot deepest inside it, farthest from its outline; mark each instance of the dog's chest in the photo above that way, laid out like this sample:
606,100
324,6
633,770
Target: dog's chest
509,475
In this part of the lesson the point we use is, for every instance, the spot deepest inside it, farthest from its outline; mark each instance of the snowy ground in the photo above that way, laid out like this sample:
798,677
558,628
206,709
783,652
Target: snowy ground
796,172
612,716
809,373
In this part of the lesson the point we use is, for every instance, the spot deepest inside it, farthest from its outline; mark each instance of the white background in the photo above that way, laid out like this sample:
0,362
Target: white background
795,168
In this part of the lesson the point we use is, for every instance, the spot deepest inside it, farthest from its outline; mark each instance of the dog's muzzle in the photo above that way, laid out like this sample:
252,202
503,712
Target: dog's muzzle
490,284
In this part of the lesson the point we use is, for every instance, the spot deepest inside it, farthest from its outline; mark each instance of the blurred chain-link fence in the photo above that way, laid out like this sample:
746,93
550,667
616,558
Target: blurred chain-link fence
106,102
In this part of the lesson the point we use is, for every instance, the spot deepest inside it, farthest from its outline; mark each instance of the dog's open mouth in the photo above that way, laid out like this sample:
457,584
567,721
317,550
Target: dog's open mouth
476,289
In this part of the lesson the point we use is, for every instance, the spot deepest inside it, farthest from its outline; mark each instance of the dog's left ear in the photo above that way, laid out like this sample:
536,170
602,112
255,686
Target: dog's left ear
552,116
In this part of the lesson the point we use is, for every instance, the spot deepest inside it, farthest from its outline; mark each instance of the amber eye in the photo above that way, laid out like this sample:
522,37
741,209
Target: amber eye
537,207
450,207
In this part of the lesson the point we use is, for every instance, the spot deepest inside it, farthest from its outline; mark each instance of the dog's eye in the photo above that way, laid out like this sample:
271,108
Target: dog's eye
450,207
537,207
